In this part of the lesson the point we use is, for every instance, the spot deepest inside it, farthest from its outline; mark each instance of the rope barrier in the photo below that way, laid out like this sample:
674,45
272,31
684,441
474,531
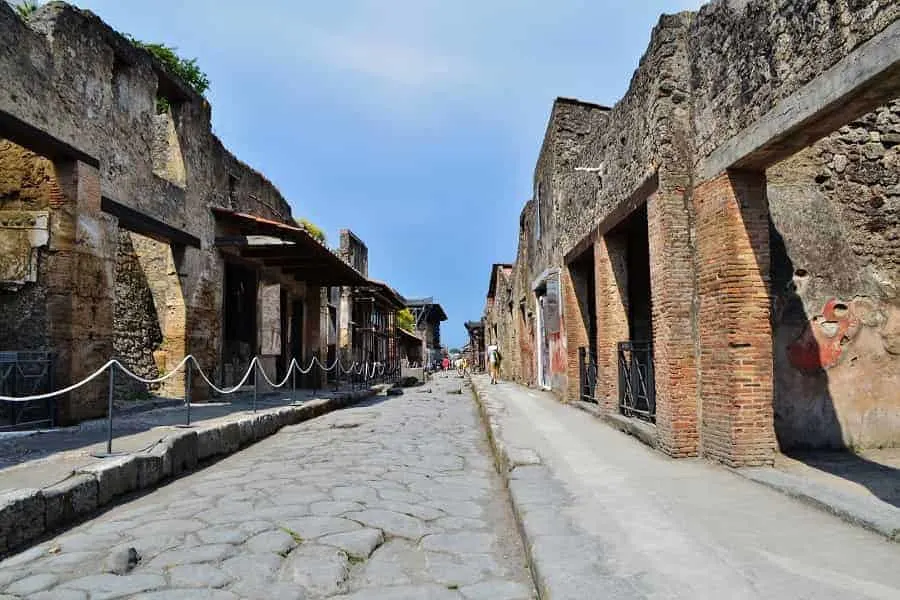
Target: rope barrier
355,368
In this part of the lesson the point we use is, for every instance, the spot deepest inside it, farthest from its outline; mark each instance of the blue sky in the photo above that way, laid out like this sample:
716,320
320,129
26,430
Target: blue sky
414,123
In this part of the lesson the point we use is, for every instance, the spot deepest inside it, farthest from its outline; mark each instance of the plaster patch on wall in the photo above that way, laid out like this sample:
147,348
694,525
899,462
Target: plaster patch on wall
21,234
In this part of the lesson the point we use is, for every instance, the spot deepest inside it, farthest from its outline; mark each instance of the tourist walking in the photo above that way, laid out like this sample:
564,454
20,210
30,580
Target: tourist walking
493,356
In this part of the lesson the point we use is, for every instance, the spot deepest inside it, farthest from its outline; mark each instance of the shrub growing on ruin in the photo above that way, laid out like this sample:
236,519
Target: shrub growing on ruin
313,229
406,320
185,69
26,8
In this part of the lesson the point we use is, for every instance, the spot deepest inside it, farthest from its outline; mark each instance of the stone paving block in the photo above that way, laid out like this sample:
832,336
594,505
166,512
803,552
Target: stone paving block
275,541
21,517
32,584
59,594
428,591
392,523
321,570
462,543
70,499
107,586
115,476
312,527
357,544
185,593
196,554
198,576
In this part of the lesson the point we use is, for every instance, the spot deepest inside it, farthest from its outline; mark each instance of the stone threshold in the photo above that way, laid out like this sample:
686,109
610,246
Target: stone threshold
30,513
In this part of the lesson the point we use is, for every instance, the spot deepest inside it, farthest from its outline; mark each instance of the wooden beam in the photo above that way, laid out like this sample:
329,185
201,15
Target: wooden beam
144,224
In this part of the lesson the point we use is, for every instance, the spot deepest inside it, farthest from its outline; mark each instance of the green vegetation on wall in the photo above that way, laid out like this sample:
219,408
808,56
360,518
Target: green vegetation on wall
406,320
313,229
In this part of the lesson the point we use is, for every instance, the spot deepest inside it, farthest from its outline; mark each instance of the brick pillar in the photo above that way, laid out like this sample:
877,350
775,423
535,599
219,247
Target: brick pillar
611,281
735,332
80,289
674,358
574,330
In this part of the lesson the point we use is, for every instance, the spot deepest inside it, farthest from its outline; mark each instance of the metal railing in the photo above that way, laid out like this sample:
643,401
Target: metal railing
359,375
22,374
587,370
637,389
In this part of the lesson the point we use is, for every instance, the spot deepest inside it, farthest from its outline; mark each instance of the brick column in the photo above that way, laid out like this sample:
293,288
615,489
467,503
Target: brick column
674,358
735,332
575,332
611,281
80,289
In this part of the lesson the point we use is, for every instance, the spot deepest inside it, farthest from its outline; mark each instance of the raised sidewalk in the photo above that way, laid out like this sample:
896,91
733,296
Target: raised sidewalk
602,515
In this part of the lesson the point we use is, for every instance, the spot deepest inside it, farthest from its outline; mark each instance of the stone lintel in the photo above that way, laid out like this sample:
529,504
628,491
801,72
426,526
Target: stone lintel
860,82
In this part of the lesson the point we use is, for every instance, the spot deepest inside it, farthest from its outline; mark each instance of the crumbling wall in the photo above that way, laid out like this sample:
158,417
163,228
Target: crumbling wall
703,79
74,79
27,182
748,55
836,310
137,333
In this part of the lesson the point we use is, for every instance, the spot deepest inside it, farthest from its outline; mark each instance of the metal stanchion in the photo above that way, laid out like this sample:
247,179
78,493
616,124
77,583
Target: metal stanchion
109,411
109,417
293,383
255,383
187,394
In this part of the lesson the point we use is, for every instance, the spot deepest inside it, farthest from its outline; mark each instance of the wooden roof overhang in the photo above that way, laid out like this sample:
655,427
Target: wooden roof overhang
291,249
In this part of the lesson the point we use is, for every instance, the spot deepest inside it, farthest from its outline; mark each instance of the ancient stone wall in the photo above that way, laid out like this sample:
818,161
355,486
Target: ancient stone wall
136,328
704,78
75,80
836,312
747,56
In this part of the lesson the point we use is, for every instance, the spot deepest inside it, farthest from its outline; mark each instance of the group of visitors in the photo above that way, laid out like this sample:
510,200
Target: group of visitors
463,368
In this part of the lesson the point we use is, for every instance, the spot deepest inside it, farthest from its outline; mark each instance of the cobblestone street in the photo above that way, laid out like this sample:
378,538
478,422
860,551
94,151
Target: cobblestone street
395,498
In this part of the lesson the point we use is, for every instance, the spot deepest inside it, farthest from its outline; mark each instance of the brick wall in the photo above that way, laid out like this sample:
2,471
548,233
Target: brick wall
575,331
672,283
610,272
735,331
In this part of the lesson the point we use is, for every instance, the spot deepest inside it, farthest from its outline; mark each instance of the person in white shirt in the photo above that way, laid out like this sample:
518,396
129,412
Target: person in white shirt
493,357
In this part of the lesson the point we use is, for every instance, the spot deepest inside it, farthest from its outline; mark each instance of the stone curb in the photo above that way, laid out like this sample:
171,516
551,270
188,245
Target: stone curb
27,514
563,561
856,510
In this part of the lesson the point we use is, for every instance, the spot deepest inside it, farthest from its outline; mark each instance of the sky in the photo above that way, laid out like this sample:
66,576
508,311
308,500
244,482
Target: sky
414,123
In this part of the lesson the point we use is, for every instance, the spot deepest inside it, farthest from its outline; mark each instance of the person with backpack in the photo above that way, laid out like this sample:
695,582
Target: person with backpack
493,356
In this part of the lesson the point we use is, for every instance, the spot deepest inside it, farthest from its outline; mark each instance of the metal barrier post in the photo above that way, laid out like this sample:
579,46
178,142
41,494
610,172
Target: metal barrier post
187,393
293,382
255,383
109,416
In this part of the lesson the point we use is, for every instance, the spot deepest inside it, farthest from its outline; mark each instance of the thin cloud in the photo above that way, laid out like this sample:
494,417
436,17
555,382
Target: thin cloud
391,62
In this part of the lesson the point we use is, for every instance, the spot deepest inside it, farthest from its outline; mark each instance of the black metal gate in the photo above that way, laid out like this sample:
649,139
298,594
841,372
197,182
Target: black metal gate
637,390
587,369
26,374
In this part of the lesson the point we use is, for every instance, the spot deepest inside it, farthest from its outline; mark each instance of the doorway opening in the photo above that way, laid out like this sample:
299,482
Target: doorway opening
637,389
548,329
239,343
583,282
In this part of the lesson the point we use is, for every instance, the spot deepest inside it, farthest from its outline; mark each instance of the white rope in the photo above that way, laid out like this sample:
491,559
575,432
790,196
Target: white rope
233,389
72,387
356,368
